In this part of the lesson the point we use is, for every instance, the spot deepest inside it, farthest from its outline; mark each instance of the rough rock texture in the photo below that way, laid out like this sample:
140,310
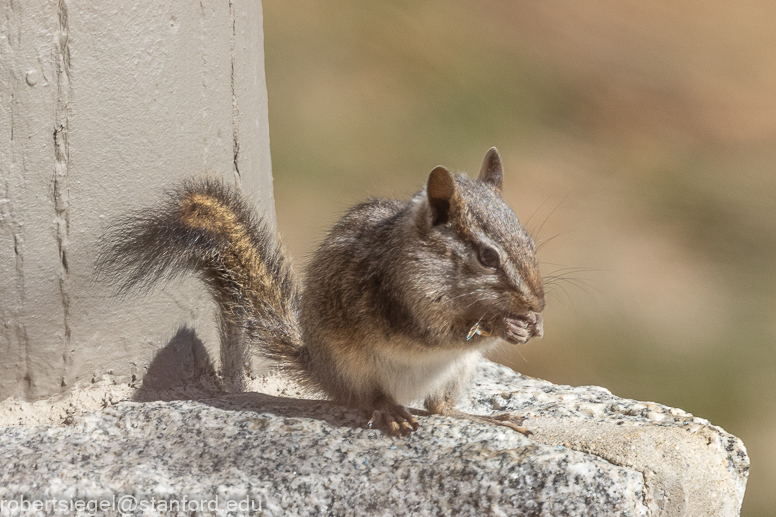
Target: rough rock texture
591,454
689,466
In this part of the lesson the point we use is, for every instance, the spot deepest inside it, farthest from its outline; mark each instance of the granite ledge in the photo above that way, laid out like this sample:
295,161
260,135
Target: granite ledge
591,453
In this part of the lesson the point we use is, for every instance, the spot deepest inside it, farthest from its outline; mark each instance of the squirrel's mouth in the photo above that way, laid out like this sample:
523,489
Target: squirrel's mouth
514,328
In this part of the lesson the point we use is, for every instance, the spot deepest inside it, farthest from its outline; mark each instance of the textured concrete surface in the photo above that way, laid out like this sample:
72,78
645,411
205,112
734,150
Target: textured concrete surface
103,105
591,454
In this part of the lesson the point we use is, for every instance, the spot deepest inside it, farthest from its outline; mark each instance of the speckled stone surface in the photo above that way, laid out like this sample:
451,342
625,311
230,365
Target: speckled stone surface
689,466
293,456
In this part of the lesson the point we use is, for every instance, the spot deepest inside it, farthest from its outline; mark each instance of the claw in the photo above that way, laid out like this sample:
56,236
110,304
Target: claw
376,417
521,328
393,418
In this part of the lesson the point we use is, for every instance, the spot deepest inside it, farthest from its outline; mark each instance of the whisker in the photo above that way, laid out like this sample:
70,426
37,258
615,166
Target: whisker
544,242
566,293
553,211
583,286
521,355
461,296
566,266
576,269
579,283
554,294
537,209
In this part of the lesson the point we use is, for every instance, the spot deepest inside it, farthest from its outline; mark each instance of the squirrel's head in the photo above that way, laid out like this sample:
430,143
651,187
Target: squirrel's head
490,280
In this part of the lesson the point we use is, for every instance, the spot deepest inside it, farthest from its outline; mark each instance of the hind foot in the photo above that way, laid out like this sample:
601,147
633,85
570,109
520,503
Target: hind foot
393,418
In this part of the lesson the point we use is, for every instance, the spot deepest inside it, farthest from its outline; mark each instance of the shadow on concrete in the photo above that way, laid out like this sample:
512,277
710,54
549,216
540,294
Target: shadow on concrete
183,370
182,366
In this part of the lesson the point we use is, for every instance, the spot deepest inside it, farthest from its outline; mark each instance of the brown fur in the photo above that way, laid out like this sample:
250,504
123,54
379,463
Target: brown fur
207,228
391,298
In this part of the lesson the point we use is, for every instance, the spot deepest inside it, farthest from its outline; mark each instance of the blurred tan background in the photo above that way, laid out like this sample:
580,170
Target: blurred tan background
639,146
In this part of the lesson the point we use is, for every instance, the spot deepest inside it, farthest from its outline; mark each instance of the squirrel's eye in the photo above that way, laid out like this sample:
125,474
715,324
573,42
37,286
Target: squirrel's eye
489,257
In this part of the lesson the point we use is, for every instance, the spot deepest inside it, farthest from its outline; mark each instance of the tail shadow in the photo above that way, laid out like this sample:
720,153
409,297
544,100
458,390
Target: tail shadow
183,370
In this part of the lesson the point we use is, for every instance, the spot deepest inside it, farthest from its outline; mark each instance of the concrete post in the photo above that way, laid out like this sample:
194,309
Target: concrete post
102,106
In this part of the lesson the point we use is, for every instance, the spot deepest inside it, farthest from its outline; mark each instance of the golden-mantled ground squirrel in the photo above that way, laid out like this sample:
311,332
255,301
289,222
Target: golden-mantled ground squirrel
399,302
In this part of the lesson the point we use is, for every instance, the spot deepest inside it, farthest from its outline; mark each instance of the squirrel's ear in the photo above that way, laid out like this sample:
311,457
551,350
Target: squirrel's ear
440,191
491,171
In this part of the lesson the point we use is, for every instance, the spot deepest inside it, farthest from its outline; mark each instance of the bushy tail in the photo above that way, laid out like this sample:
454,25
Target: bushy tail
207,228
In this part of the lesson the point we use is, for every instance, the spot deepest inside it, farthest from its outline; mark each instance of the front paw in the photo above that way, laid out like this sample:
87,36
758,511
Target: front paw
521,328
